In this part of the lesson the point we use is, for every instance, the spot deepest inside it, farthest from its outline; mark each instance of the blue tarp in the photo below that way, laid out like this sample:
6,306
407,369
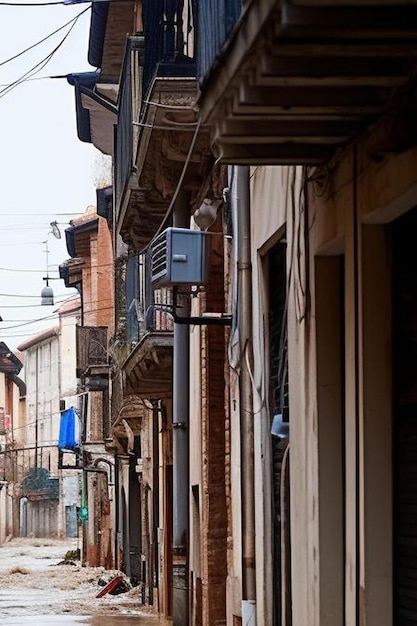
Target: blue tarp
69,430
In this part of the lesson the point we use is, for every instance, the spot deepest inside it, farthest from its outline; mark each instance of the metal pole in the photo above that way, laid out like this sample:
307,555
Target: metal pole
36,408
241,226
180,420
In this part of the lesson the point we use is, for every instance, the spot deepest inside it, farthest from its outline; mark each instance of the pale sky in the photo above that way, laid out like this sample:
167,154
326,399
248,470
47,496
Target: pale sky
46,173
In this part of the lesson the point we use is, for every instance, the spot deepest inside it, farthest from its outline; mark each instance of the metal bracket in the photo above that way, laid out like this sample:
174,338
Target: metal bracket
219,319
79,464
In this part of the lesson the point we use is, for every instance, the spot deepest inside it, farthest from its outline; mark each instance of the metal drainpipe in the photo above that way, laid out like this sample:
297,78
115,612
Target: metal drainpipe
180,436
241,227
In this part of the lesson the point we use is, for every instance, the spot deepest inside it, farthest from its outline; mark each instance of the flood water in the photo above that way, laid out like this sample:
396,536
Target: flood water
35,588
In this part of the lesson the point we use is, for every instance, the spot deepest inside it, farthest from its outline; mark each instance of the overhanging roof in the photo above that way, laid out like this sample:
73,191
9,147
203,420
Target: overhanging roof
9,363
110,24
299,79
96,111
78,237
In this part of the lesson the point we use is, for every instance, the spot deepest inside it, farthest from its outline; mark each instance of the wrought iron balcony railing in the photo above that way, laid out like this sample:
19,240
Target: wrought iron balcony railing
135,310
165,49
216,19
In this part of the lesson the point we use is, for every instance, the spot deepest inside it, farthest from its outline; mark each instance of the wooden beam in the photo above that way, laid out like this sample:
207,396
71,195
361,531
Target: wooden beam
359,18
311,71
353,3
356,100
325,131
331,49
275,154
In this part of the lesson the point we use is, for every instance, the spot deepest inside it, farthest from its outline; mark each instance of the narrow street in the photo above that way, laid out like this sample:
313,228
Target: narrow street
36,589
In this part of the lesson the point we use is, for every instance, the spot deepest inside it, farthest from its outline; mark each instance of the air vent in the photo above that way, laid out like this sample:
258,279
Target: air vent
179,257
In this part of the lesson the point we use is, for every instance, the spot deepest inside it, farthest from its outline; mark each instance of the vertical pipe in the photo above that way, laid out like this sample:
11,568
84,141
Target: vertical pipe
36,408
356,295
241,226
180,422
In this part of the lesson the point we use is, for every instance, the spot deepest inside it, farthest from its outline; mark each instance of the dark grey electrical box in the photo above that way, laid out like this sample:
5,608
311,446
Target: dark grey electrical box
179,257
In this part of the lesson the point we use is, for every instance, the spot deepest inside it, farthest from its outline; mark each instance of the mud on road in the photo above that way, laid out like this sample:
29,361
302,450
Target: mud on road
35,589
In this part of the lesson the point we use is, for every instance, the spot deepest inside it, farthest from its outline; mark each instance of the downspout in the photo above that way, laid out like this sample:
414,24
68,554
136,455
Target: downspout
180,438
36,407
241,226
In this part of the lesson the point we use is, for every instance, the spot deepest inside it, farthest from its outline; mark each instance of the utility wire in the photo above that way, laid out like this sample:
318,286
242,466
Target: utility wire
18,295
63,2
39,214
29,4
60,300
27,322
10,269
28,80
43,40
39,66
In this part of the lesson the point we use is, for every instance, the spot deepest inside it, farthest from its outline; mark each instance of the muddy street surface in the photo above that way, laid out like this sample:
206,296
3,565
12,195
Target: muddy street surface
35,588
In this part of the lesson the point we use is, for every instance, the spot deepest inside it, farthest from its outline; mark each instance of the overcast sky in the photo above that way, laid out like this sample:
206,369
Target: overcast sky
46,173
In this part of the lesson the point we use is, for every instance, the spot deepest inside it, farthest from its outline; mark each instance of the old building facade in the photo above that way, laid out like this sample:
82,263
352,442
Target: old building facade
90,270
48,498
262,411
12,437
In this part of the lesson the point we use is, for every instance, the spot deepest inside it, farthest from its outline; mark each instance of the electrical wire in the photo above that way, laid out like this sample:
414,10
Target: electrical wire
28,80
178,187
42,40
18,295
174,128
10,269
59,2
27,322
39,214
174,107
29,4
39,66
32,306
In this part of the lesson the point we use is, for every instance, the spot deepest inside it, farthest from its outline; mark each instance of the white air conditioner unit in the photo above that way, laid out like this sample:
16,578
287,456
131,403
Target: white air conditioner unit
179,257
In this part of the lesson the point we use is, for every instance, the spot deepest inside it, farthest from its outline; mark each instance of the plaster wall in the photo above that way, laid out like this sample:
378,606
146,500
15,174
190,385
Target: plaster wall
2,389
68,356
345,222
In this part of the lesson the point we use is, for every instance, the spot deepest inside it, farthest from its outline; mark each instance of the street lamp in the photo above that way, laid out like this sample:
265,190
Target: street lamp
47,294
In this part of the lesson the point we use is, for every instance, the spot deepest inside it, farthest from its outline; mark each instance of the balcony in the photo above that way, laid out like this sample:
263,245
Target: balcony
299,79
144,339
92,365
216,31
157,129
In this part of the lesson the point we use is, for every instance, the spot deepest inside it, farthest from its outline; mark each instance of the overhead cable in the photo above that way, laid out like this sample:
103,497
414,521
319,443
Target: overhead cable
39,66
42,40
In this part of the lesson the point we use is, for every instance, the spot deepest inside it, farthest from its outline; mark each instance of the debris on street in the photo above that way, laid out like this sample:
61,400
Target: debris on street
32,582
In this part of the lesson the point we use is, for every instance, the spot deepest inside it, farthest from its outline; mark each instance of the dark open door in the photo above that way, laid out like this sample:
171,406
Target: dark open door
404,270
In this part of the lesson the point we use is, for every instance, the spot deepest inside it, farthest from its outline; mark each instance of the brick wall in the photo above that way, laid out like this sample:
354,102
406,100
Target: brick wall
214,510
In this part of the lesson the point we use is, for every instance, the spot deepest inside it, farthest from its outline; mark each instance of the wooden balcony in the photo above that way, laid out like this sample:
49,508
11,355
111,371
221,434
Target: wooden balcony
91,350
299,79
